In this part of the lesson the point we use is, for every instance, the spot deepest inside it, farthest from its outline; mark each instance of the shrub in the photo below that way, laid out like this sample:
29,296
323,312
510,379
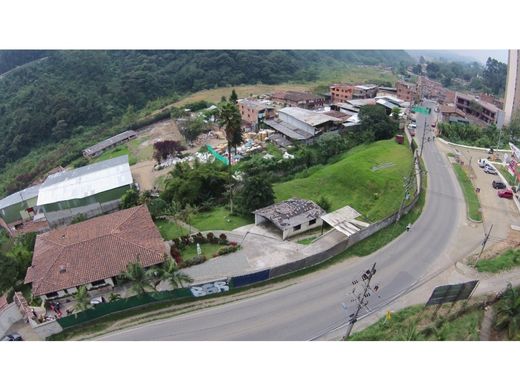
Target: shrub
199,238
211,238
193,261
324,203
228,249
176,254
223,239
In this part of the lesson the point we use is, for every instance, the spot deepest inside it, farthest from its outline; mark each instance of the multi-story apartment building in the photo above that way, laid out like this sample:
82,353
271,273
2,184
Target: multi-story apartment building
512,99
406,91
368,91
483,112
340,93
253,112
297,99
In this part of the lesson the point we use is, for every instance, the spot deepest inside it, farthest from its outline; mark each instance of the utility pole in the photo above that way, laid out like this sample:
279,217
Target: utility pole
423,136
484,242
361,298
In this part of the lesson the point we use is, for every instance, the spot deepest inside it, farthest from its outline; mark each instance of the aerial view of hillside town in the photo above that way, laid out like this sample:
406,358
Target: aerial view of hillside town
259,195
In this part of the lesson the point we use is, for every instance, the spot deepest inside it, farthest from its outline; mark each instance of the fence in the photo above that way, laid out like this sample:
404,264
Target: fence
119,305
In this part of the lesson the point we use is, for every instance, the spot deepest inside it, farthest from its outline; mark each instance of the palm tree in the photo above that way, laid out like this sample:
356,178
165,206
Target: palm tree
140,278
82,299
170,272
508,312
230,119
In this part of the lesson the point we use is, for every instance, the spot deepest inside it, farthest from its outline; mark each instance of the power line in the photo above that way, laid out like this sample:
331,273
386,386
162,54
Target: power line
361,297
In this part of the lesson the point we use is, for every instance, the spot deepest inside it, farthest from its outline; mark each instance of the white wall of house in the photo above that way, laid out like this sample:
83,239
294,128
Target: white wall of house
294,230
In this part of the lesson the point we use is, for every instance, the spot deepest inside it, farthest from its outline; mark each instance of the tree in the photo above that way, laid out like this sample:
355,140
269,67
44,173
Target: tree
169,271
230,120
130,198
164,149
234,97
375,123
433,70
140,278
395,113
157,208
82,299
494,75
324,203
508,312
417,69
193,128
8,273
255,192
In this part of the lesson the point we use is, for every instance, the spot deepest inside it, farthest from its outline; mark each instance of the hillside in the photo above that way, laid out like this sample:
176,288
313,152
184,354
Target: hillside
72,98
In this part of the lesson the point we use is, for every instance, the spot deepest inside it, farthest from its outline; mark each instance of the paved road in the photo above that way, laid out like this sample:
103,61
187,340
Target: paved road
312,306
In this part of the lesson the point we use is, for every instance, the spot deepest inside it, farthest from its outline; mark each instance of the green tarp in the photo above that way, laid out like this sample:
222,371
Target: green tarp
217,155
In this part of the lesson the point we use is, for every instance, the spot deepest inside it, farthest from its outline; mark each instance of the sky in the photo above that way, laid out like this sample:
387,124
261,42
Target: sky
482,55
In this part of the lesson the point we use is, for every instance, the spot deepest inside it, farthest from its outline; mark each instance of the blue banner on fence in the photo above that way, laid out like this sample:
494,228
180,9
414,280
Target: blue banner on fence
244,280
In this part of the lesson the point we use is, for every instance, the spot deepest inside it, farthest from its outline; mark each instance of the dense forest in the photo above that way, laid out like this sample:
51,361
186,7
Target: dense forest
70,92
10,59
490,78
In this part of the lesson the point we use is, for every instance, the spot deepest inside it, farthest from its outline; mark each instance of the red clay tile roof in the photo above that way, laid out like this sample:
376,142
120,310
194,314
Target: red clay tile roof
93,250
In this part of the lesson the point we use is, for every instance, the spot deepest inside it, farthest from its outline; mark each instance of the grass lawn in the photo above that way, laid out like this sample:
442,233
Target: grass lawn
351,180
503,170
120,150
415,323
472,202
170,230
208,250
218,219
507,260
306,241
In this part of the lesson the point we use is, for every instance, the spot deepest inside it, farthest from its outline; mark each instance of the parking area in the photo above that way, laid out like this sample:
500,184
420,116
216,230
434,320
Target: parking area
496,211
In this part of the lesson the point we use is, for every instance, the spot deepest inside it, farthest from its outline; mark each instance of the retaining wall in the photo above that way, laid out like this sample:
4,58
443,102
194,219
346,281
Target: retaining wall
8,316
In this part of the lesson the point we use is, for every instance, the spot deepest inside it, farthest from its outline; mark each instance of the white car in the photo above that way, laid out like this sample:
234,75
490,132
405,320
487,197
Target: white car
483,163
489,169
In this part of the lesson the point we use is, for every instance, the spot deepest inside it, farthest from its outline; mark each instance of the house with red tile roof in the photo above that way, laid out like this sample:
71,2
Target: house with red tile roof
92,253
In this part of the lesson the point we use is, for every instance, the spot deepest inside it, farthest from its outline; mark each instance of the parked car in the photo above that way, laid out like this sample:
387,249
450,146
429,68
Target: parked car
498,185
505,194
483,162
489,169
12,337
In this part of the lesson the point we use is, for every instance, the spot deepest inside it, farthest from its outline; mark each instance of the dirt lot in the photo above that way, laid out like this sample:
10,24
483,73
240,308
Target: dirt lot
142,148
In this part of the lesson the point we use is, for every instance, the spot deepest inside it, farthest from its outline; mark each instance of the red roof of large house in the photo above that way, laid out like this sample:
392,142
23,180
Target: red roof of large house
93,250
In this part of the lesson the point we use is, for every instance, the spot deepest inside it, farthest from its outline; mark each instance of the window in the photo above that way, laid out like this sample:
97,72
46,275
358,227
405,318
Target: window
98,283
297,227
52,295
312,222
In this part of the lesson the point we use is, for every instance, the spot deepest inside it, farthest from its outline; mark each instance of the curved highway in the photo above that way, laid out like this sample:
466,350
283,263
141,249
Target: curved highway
312,306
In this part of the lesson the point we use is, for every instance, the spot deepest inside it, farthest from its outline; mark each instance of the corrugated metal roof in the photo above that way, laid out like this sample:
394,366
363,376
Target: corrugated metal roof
17,197
344,220
110,141
310,117
86,181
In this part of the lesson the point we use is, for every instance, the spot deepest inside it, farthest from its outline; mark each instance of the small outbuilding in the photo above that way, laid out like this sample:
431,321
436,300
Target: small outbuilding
292,217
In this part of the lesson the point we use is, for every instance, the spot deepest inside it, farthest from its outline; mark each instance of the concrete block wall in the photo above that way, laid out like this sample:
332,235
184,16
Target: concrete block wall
8,316
46,329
